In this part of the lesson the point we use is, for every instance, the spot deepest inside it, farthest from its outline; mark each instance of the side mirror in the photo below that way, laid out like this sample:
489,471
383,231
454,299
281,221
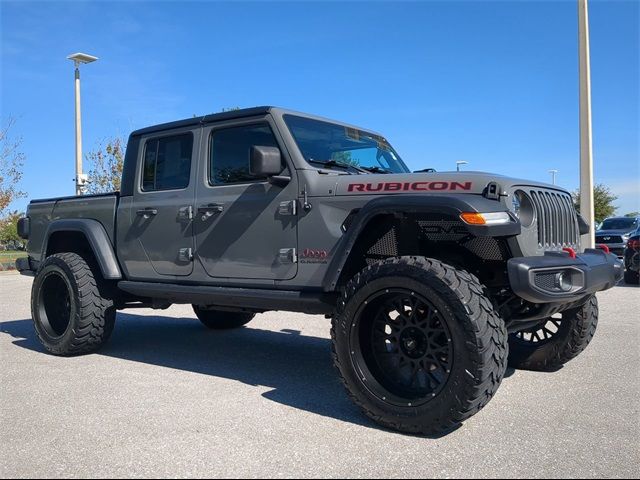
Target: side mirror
265,161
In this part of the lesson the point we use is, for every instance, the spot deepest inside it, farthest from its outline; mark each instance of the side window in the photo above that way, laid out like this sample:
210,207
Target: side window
230,150
167,163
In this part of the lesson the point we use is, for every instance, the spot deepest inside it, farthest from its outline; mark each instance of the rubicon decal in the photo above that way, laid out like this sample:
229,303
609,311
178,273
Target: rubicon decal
410,186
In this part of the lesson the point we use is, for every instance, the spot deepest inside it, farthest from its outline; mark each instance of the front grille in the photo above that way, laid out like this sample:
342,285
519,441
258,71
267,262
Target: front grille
609,239
557,220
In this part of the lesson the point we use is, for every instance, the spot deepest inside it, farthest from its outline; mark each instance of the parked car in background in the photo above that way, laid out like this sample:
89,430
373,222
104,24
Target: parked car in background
632,259
615,231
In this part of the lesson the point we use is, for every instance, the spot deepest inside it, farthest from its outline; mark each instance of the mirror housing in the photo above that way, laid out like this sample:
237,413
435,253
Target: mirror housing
265,161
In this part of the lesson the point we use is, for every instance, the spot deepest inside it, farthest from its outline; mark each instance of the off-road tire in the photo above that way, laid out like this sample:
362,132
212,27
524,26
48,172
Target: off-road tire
90,316
575,330
221,320
631,277
478,335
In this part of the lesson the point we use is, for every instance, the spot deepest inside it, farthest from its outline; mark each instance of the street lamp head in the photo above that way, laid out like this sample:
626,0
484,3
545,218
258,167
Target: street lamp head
82,58
460,162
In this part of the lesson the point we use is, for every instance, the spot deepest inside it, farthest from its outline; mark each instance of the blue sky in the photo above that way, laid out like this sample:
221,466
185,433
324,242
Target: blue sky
492,83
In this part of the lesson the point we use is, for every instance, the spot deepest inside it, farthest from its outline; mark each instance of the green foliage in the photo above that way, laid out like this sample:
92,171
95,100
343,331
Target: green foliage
229,109
345,158
107,162
633,214
11,166
603,199
9,232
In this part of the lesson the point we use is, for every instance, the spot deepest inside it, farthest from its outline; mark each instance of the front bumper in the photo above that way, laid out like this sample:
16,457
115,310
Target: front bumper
616,248
556,277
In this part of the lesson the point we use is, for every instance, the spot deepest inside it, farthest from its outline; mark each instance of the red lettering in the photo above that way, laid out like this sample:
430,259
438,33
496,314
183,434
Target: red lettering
439,185
420,186
461,186
392,187
357,187
378,187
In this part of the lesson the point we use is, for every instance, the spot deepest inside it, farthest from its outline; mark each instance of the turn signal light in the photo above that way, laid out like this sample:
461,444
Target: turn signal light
634,244
492,218
473,218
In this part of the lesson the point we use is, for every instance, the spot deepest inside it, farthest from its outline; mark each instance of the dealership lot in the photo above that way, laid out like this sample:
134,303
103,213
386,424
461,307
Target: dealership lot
167,397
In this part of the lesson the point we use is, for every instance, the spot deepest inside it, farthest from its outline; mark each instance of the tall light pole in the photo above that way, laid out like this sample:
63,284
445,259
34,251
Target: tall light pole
586,153
460,162
553,176
81,179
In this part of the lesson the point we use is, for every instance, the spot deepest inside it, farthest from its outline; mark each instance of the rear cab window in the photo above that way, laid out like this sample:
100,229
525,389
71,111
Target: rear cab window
167,163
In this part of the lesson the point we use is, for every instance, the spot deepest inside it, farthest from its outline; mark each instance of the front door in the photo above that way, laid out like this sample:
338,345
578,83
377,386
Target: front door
245,227
159,239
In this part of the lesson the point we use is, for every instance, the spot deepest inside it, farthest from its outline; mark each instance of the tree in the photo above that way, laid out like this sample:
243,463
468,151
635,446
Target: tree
633,214
9,232
603,199
11,166
106,162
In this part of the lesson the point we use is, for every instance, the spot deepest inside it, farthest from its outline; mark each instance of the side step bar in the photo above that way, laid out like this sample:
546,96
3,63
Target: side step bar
249,298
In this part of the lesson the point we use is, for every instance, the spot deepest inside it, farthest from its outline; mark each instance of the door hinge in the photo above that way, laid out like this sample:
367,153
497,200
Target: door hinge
288,255
288,208
185,255
186,213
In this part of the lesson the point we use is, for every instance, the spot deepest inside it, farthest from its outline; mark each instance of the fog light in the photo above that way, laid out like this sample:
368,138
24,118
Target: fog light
563,281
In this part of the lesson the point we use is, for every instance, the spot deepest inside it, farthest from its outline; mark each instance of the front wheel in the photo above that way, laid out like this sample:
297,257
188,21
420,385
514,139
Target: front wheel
631,277
555,341
418,345
220,320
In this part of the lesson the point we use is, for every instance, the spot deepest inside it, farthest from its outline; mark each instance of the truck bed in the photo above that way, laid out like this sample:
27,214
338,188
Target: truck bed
43,212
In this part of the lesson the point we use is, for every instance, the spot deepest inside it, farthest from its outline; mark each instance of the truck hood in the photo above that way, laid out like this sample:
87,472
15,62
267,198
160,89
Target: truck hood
623,231
421,183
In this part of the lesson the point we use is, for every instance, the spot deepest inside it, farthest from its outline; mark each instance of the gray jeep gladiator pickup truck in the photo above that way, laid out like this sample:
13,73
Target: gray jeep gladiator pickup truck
434,281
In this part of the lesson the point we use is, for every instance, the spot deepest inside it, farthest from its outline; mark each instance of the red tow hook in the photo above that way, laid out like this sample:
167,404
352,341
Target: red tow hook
570,251
602,246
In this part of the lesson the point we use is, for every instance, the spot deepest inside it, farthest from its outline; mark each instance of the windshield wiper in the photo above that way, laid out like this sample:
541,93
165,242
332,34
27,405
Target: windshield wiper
333,164
376,170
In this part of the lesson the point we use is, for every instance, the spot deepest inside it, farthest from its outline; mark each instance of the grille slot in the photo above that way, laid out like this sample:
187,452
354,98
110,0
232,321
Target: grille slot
557,220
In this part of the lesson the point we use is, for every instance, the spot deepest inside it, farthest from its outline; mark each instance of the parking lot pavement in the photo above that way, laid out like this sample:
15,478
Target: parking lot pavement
167,397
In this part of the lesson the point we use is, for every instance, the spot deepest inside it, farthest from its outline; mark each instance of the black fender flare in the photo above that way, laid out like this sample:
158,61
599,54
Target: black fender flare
98,240
447,205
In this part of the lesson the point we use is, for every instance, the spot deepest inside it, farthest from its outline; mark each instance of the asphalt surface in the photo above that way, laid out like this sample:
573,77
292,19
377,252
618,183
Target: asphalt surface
167,397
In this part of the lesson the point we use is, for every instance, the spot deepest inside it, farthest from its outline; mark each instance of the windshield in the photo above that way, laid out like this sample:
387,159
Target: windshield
334,145
619,224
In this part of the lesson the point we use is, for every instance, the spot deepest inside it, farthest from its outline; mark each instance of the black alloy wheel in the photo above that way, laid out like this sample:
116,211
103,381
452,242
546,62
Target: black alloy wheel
404,346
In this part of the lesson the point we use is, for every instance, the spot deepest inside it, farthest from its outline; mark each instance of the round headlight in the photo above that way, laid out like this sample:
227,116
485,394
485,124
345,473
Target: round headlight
522,206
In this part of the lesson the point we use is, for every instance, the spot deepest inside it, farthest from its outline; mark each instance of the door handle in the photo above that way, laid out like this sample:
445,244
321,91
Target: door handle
208,211
147,212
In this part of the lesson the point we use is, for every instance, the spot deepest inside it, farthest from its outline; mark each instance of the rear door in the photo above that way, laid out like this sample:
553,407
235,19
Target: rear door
159,239
245,227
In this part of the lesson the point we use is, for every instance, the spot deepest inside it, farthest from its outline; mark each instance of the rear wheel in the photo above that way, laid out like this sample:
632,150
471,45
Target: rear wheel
70,305
555,341
418,346
220,320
